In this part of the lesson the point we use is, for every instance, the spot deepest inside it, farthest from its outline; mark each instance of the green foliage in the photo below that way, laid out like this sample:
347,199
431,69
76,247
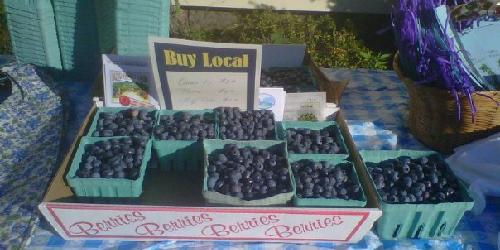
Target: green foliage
4,32
328,44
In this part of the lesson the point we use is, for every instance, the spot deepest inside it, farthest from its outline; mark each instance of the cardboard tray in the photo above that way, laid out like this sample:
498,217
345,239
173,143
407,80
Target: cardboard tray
171,207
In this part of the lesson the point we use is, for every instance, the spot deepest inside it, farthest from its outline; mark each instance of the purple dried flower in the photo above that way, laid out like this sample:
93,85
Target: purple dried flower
432,53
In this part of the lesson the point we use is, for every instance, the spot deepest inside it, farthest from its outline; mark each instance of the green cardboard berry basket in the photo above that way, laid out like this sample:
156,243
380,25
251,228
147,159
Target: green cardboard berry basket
324,202
105,187
181,155
425,220
100,110
212,197
314,125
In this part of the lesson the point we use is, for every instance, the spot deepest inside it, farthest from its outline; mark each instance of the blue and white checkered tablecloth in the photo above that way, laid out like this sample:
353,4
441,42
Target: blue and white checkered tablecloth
374,104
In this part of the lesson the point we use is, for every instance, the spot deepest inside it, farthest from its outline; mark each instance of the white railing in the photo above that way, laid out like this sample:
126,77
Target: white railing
358,6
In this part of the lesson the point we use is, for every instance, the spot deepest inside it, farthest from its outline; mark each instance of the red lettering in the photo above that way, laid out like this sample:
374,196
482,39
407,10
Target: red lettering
280,231
244,226
110,224
233,228
175,225
215,230
117,221
206,217
254,222
297,229
128,219
152,229
273,218
101,226
305,228
327,221
167,227
83,227
197,220
264,220
337,220
122,220
139,216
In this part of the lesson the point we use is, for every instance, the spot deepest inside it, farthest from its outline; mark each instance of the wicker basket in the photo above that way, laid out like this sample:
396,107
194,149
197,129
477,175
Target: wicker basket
433,115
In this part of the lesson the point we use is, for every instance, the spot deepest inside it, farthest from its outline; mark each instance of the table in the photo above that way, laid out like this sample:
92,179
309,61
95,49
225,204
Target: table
376,96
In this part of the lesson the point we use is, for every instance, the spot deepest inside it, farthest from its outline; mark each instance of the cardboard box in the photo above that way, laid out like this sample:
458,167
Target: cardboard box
171,206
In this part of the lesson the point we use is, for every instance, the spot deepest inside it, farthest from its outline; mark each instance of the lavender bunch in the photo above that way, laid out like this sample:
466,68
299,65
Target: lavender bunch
427,54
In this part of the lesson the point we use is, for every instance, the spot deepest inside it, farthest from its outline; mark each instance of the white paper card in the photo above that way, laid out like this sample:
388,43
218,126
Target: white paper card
273,99
300,105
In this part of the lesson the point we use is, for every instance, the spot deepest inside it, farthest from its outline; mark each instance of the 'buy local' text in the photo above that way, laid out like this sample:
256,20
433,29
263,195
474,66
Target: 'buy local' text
173,58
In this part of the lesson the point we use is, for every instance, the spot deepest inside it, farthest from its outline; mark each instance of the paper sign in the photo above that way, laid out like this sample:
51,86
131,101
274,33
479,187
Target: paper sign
300,106
133,222
127,81
203,75
273,99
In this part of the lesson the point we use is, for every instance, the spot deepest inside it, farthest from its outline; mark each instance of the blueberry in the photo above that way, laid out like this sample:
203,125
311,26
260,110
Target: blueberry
271,183
318,188
407,181
406,169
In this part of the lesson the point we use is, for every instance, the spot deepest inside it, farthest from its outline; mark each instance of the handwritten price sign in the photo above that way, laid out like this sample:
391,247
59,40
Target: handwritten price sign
78,221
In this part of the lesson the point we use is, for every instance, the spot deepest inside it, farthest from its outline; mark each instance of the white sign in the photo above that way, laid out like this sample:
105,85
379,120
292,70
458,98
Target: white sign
273,99
202,75
133,222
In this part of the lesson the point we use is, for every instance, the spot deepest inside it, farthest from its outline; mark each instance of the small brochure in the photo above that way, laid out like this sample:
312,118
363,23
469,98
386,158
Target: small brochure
305,106
273,99
202,75
128,82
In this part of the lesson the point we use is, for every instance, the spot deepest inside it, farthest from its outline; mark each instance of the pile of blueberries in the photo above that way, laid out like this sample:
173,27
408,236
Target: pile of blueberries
325,180
235,124
307,141
184,126
129,122
422,180
293,80
248,173
113,158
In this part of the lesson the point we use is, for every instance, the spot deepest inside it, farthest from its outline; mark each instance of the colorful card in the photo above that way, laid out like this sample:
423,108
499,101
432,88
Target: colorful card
128,82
